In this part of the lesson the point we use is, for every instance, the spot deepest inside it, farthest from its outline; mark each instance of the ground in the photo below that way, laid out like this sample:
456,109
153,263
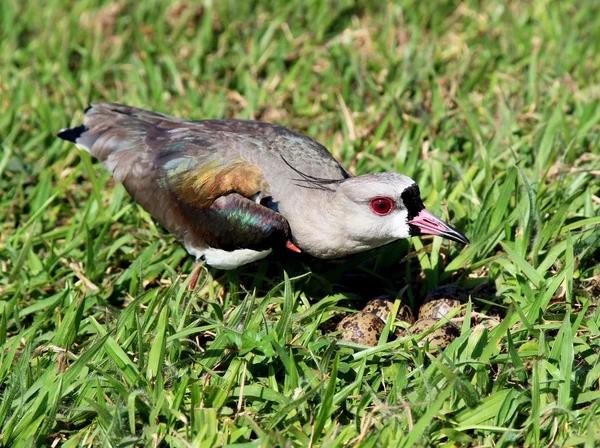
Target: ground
493,107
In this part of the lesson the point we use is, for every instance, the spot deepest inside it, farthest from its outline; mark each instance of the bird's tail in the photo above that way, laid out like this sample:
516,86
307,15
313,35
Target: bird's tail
109,128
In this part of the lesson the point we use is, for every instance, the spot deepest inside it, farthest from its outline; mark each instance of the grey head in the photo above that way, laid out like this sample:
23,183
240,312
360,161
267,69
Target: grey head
364,212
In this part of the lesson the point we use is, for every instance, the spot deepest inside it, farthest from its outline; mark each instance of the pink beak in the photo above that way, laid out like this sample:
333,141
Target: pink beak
427,223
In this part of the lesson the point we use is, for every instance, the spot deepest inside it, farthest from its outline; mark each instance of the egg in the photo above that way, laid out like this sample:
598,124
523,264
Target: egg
362,328
440,337
382,307
438,309
441,301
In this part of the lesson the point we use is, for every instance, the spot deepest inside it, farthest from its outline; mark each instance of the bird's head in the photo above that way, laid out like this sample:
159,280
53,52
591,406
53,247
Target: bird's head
384,207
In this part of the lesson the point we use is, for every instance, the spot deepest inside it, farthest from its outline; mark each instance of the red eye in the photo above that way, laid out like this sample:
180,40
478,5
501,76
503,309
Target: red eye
382,206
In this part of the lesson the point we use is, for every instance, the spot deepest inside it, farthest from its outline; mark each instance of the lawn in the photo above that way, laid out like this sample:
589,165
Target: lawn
493,107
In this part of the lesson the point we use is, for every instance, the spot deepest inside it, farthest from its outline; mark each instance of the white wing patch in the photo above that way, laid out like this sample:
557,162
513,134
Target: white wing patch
222,259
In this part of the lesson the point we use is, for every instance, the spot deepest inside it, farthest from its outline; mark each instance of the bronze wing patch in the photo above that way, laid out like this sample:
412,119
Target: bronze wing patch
202,184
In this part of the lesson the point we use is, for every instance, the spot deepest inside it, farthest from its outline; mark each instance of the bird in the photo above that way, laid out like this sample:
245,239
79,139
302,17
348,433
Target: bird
232,191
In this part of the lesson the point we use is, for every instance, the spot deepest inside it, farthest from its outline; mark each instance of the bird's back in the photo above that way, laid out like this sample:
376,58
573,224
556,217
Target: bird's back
151,138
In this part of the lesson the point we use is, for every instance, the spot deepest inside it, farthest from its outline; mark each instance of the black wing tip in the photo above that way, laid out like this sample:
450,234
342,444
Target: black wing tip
72,134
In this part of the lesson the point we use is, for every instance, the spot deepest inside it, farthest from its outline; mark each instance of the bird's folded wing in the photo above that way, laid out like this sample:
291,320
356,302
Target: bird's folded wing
222,195
236,222
186,179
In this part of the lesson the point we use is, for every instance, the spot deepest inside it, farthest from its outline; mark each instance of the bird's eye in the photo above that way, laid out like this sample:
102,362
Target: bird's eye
382,206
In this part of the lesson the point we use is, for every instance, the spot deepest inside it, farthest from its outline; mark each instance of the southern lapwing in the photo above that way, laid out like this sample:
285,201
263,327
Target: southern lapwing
231,191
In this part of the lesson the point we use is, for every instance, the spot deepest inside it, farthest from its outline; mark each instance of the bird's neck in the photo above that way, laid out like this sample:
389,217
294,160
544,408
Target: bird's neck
320,225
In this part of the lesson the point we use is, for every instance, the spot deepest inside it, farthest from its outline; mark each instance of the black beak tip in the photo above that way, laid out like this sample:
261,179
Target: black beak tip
457,237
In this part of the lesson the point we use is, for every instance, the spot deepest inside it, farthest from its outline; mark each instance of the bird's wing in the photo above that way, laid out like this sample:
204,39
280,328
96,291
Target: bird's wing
204,196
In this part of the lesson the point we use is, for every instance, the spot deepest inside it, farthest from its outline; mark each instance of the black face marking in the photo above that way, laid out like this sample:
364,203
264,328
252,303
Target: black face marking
413,230
411,197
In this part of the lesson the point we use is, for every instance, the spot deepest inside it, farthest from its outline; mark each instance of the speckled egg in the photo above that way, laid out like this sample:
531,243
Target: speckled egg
361,328
441,301
382,307
440,338
439,308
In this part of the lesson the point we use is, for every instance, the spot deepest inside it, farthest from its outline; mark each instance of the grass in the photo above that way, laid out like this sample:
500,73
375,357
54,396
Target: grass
494,108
